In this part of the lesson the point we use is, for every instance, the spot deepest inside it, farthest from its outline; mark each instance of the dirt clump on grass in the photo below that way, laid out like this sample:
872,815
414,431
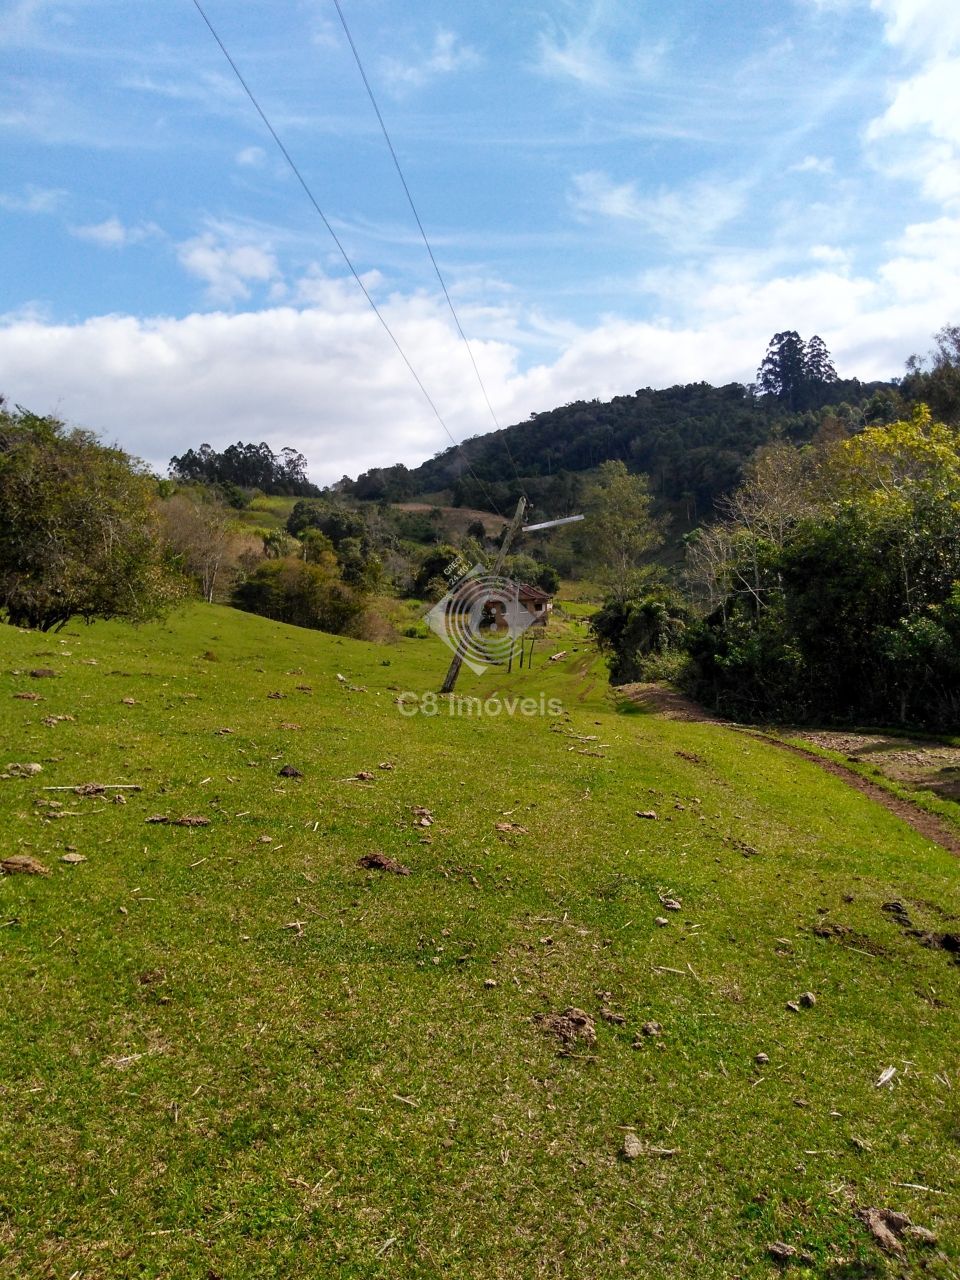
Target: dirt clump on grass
888,1227
949,942
188,820
22,864
16,770
570,1027
833,931
381,862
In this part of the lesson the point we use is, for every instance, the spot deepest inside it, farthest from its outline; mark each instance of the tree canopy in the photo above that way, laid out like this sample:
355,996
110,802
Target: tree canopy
78,528
692,441
799,374
844,606
246,466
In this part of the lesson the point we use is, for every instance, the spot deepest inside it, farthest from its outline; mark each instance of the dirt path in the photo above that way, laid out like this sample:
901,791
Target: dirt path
927,824
923,763
902,760
664,701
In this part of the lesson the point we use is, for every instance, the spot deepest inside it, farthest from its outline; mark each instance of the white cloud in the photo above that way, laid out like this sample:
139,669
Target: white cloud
685,217
216,93
813,164
33,200
251,157
585,59
604,46
576,57
325,34
926,255
113,234
929,100
227,269
830,254
327,381
925,27
323,376
449,54
918,136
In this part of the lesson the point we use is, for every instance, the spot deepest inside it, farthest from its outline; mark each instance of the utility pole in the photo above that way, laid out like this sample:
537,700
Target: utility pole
508,537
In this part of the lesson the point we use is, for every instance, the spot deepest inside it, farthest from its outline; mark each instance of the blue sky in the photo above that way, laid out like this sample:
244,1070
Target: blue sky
620,194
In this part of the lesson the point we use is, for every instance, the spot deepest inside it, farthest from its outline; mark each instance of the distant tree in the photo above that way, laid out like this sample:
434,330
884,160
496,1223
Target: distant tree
622,531
547,579
79,534
277,543
776,492
430,580
330,517
938,385
798,373
819,367
315,548
202,531
389,484
534,573
710,567
361,568
415,526
305,595
883,407
293,471
783,372
476,529
246,466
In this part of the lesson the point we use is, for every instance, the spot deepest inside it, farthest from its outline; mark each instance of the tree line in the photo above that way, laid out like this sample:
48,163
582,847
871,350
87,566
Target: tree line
826,589
245,467
693,441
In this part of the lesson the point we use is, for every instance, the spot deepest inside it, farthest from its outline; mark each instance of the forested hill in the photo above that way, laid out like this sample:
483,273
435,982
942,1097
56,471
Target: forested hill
691,440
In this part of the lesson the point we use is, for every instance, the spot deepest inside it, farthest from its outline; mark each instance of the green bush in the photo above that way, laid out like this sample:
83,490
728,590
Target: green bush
632,632
79,532
306,595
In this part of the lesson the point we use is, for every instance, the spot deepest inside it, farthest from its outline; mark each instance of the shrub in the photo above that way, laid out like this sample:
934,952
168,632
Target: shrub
306,595
79,534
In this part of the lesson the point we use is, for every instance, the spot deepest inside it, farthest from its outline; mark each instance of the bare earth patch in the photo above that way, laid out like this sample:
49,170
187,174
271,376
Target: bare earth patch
662,700
927,766
914,763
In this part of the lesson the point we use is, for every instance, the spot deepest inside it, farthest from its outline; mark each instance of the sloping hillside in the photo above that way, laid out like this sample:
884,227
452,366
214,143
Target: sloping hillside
691,440
230,1050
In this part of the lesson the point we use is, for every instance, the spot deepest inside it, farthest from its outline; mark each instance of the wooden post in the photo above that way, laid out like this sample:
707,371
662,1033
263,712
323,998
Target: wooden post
508,537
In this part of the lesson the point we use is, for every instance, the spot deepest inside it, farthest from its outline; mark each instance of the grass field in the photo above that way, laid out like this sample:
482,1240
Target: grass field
229,1051
267,514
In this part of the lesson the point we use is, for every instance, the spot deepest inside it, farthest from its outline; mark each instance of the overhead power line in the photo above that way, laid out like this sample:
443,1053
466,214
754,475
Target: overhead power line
420,227
343,253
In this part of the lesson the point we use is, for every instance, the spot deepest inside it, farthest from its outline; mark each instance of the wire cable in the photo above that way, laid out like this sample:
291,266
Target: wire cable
343,253
423,234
